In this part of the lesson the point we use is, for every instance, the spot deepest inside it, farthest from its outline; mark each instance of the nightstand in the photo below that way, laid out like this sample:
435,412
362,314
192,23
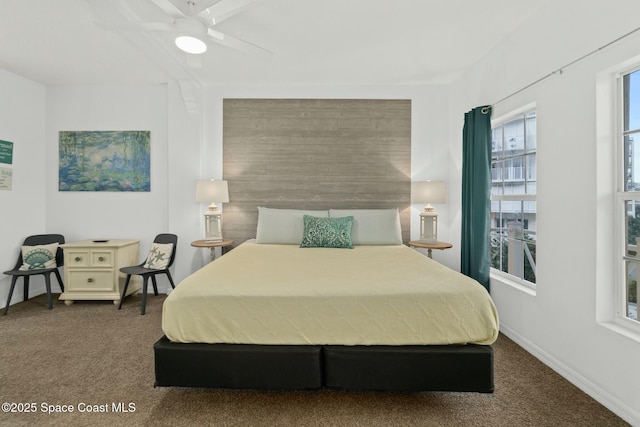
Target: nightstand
430,246
92,269
213,245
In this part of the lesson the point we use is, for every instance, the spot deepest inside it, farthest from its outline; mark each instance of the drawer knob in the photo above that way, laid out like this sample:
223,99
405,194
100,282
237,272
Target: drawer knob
101,258
78,259
90,280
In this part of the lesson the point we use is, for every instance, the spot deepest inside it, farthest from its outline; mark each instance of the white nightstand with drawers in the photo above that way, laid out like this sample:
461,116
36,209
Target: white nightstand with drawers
92,269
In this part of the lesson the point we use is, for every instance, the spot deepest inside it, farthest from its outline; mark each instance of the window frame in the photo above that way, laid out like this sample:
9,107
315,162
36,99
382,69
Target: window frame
501,121
620,199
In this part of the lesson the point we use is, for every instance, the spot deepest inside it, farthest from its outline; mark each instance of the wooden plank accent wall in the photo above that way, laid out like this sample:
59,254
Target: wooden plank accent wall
314,154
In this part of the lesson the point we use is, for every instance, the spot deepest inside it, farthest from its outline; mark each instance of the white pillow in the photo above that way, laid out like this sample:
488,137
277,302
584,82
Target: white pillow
283,226
39,257
373,226
159,256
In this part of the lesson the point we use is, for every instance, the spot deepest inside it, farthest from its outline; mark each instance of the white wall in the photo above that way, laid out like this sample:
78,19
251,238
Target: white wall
185,154
429,133
175,143
22,121
558,324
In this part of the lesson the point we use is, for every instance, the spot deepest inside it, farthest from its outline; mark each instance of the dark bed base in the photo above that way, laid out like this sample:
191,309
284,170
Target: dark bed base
302,367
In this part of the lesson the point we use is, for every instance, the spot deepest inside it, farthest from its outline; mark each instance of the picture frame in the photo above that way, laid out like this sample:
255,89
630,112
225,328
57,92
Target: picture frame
117,161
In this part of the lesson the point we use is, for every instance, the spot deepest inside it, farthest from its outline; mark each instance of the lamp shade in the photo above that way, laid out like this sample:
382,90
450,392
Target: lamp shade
428,192
208,191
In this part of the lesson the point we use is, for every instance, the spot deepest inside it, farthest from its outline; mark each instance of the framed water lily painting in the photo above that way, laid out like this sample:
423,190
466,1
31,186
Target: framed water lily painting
104,161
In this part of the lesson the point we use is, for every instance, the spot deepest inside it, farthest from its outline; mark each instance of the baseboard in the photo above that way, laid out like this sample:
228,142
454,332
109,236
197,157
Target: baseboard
630,415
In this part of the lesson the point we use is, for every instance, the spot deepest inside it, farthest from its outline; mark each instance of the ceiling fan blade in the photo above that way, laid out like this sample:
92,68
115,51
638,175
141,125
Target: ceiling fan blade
238,44
225,9
168,7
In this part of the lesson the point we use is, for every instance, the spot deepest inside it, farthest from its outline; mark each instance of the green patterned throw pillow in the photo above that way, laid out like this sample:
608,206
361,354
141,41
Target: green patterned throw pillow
38,257
159,256
327,232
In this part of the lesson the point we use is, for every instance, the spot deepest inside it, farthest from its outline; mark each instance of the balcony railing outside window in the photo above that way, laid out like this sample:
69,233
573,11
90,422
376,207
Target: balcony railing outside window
508,174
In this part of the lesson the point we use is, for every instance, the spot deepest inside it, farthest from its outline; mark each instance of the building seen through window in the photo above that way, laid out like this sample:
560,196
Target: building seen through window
513,197
631,190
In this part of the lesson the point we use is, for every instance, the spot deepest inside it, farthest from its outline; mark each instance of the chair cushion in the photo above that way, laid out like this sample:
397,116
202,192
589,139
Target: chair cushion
159,256
39,257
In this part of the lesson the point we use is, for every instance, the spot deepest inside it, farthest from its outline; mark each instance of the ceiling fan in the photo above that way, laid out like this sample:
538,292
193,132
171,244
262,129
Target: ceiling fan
192,22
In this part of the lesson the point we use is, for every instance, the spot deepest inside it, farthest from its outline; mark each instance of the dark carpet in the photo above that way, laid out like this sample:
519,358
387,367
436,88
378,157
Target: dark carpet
98,361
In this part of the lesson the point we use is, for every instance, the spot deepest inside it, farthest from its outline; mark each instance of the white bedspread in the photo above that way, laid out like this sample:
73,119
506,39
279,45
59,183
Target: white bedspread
370,295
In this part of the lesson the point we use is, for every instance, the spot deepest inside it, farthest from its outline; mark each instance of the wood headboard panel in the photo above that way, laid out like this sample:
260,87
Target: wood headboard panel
314,154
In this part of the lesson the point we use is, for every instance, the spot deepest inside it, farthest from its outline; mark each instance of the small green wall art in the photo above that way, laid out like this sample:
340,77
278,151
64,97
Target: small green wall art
104,161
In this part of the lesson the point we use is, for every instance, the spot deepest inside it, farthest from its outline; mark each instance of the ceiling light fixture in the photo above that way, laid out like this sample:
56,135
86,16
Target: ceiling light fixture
191,44
191,36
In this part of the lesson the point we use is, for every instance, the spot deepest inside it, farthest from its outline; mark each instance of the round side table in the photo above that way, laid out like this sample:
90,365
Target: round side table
212,245
430,246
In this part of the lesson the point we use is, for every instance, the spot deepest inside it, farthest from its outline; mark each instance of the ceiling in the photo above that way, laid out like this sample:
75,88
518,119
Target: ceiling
351,42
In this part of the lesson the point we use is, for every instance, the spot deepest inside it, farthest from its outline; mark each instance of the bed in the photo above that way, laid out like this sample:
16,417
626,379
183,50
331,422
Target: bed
374,315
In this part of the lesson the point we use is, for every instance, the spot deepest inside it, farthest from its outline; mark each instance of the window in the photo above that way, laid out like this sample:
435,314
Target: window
629,193
513,197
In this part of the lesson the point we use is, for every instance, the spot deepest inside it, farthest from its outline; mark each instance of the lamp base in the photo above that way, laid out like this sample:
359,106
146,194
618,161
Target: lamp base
213,226
213,239
429,227
428,241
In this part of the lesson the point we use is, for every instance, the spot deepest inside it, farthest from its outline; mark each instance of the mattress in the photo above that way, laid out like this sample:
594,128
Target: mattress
369,295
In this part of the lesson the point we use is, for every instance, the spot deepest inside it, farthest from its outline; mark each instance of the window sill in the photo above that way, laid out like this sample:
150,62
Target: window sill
495,276
621,330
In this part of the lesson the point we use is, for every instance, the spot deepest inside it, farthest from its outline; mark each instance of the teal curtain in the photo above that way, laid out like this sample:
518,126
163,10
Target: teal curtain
476,189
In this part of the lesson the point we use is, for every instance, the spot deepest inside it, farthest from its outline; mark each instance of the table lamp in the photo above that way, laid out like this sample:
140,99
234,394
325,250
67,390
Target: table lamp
428,192
211,191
